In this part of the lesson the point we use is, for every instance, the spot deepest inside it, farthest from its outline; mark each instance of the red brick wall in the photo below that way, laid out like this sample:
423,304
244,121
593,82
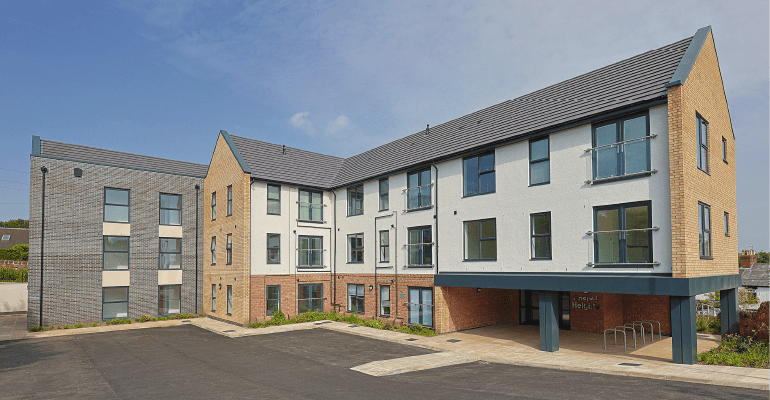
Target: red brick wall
466,308
618,309
657,308
755,322
289,287
13,264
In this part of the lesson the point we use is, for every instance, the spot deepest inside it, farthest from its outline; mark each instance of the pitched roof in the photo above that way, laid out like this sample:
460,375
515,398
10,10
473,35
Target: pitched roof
757,275
92,155
16,236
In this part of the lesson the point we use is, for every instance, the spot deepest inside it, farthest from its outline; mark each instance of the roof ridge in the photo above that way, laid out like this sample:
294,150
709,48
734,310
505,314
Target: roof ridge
288,147
122,152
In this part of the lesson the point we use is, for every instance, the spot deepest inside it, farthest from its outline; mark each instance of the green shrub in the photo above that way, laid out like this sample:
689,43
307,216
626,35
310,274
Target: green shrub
95,324
739,351
8,274
708,324
143,318
18,252
117,321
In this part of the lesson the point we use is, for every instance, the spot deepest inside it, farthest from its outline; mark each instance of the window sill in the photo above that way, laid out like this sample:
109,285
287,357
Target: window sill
478,194
387,209
539,184
274,263
621,177
170,224
118,270
419,266
541,259
311,222
419,208
312,267
170,269
355,215
117,222
357,262
704,171
623,265
480,259
706,258
274,214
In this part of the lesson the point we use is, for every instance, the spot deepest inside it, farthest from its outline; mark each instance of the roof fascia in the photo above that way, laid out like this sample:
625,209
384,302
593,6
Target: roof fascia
235,151
119,166
689,57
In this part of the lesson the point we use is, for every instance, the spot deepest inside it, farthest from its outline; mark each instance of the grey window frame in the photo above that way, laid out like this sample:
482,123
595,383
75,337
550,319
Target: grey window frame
128,288
273,248
623,250
384,195
128,206
213,206
620,136
703,145
420,187
299,250
269,200
161,253
421,306
310,205
358,300
229,200
727,223
321,292
704,229
534,235
544,160
128,252
213,297
161,208
352,248
479,173
268,310
354,193
213,250
465,239
421,244
229,249
229,300
160,288
724,149
384,248
383,300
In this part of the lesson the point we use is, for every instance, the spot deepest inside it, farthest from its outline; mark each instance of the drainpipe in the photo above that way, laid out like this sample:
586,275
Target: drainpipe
334,263
197,196
44,170
435,218
395,264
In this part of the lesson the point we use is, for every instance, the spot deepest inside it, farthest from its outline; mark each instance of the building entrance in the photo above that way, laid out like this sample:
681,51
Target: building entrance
529,308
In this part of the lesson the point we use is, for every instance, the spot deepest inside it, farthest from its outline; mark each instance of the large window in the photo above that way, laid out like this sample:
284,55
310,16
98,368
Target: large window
115,254
356,200
229,248
170,209
310,206
418,191
170,253
273,199
384,246
230,200
703,144
539,162
114,302
540,235
704,230
385,301
621,147
229,299
310,251
169,299
214,206
623,234
421,306
116,205
420,246
311,298
213,297
273,299
479,174
213,250
356,298
384,194
273,248
356,248
480,239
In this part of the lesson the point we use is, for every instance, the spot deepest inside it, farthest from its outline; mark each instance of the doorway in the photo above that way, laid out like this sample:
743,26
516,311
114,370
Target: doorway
529,308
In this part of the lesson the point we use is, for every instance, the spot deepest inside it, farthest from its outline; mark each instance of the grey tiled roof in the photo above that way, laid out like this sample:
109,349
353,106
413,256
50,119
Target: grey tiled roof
93,155
17,236
757,275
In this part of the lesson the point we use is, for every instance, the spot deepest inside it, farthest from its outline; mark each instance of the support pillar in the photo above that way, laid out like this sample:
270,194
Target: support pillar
684,343
729,307
549,322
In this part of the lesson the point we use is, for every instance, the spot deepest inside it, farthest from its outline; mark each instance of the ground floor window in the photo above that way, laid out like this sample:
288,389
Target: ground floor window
385,301
114,302
229,300
273,299
421,306
169,299
213,298
356,298
311,298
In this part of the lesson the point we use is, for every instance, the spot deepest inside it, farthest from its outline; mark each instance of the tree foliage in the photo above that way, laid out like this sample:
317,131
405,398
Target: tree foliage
763,257
18,252
15,223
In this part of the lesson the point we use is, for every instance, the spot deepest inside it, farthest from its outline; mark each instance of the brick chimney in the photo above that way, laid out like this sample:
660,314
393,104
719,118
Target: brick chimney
748,258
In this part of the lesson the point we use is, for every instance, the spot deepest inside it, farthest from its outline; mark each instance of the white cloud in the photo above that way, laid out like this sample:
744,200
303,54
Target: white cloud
300,121
337,125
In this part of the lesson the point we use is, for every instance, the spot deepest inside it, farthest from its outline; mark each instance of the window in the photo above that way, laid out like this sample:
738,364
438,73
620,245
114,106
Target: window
213,297
421,306
384,246
418,192
703,144
311,298
356,200
114,303
356,248
384,194
310,206
539,162
116,205
169,299
229,248
724,149
623,234
356,298
170,209
727,224
704,229
115,255
273,299
213,250
420,247
385,301
170,253
214,206
540,233
230,200
480,240
621,147
479,174
6,237
273,199
310,251
229,299
273,248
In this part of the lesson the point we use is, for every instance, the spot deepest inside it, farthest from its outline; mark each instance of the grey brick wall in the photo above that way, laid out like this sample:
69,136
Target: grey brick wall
73,239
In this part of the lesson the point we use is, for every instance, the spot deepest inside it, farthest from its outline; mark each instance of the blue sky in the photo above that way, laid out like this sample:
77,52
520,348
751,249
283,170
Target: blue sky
339,78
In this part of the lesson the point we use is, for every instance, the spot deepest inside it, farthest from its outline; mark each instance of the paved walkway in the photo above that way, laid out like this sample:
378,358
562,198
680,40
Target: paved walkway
13,326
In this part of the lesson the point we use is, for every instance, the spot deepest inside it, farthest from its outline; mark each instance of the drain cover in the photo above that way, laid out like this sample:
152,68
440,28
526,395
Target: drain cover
324,322
630,364
229,330
453,340
186,320
410,339
352,326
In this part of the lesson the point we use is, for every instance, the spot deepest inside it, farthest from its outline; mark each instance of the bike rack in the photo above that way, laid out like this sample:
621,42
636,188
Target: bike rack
632,327
641,324
650,321
615,331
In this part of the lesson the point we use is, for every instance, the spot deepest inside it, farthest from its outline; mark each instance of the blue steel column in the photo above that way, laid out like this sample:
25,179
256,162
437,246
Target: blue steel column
549,323
684,344
729,306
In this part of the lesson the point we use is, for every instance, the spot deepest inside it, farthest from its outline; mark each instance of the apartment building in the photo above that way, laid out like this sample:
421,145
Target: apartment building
604,199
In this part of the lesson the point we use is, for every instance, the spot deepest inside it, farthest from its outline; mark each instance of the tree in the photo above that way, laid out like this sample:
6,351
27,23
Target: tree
763,257
18,252
15,223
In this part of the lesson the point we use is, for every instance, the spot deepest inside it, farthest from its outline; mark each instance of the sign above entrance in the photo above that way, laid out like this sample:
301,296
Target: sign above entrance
585,302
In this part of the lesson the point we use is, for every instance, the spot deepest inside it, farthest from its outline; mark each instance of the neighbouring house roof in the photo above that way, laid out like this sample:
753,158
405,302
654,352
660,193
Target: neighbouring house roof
92,155
757,275
15,236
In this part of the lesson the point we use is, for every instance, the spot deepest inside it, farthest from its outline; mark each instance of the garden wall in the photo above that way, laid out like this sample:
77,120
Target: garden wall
756,322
